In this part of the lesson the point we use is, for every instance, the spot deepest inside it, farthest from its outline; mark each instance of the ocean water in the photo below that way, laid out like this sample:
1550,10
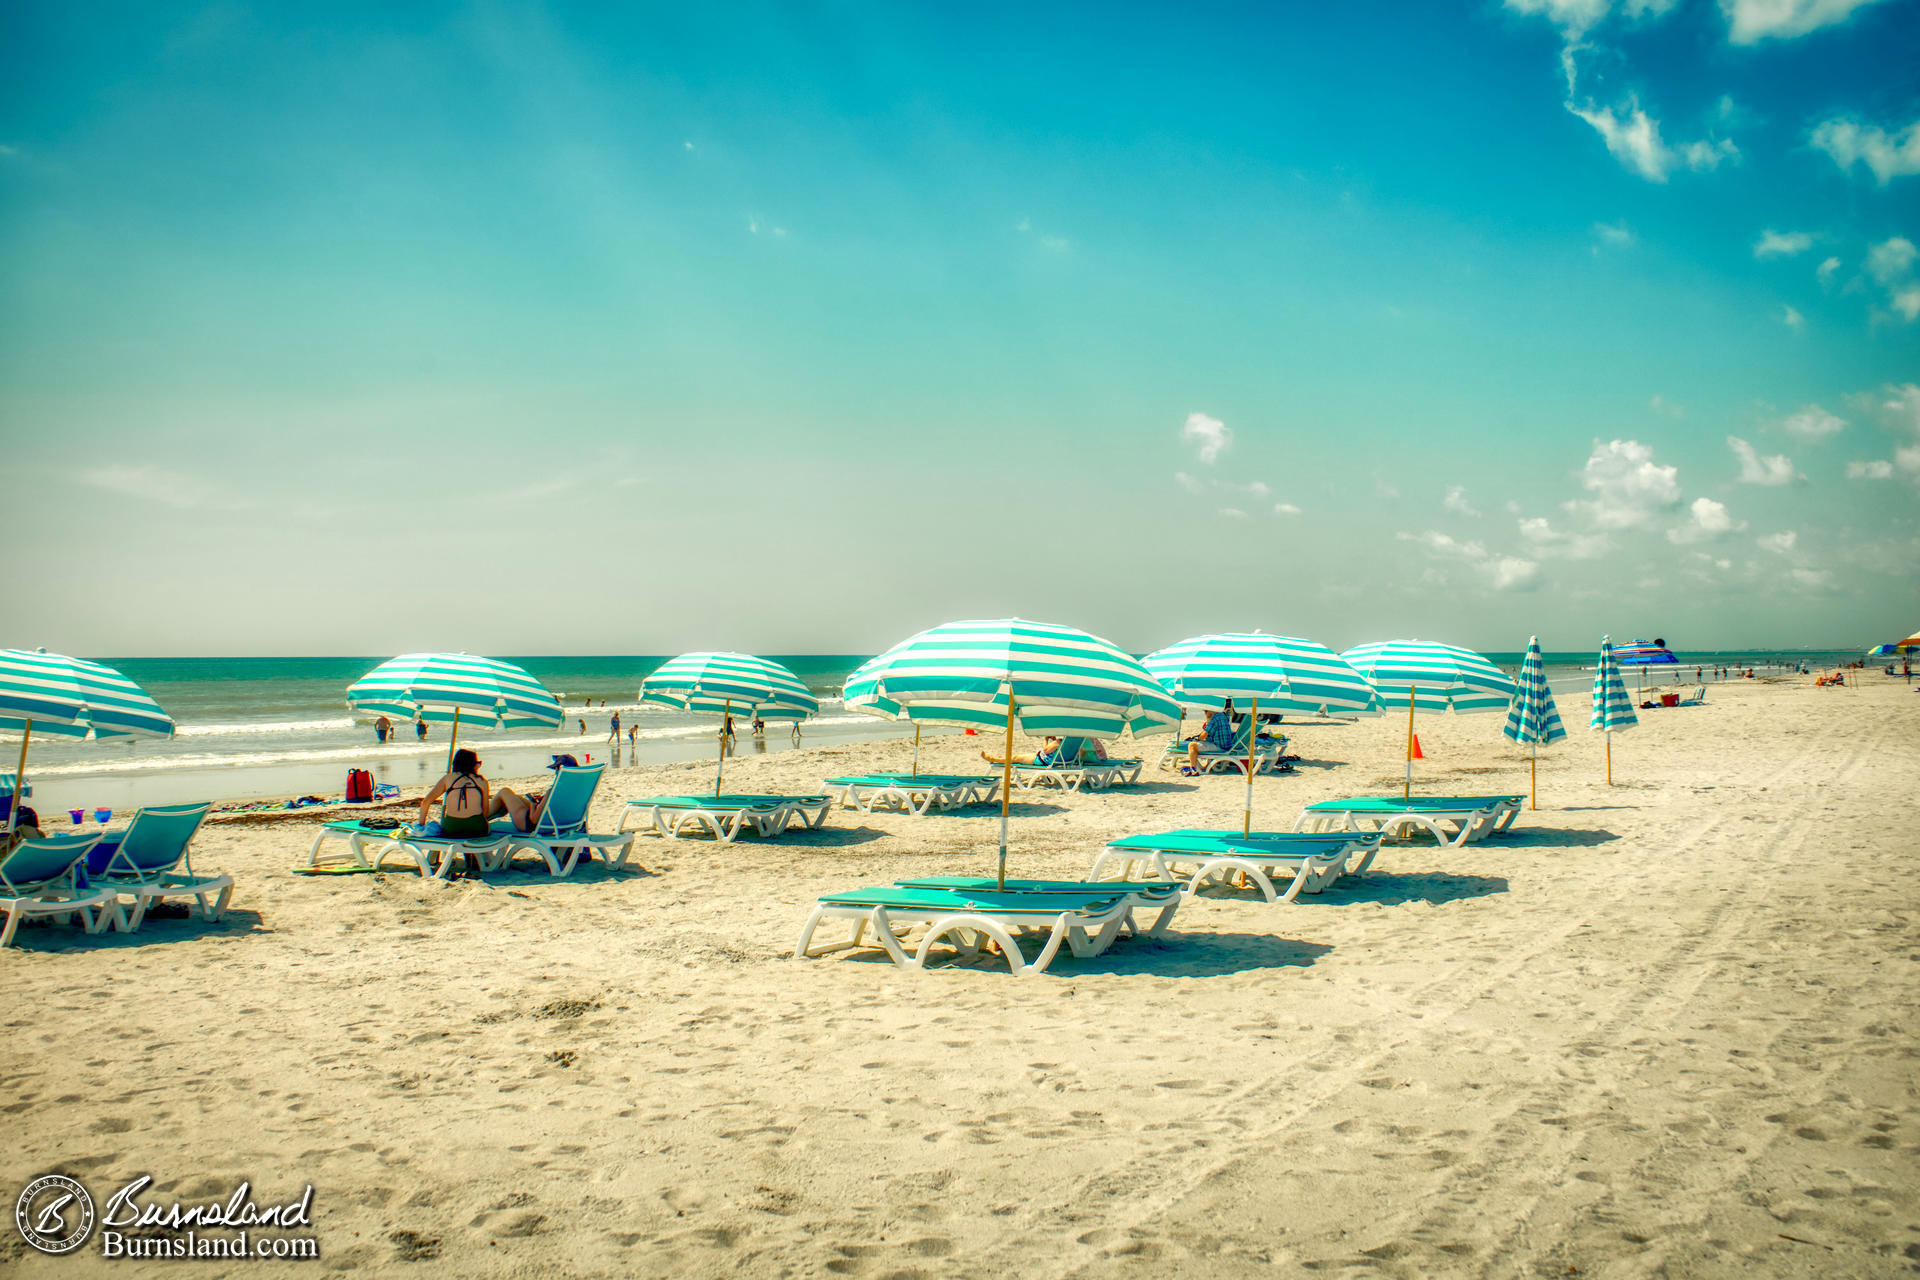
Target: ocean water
257,727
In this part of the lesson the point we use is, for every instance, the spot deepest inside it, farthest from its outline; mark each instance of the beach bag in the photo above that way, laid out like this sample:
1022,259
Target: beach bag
359,786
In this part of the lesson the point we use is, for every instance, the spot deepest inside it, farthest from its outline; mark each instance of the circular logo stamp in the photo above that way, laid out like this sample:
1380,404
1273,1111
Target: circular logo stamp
54,1214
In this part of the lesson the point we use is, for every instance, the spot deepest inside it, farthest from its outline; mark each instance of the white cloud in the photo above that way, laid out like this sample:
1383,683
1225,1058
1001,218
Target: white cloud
1285,509
1891,259
1441,544
1751,21
1192,484
687,145
1791,317
1233,513
1705,155
1661,405
1629,488
1888,155
1548,541
1212,435
1778,543
1814,423
1814,579
1456,501
1907,303
1511,573
1775,469
1826,272
1781,244
1615,235
151,484
1878,469
1633,137
1709,520
1576,17
1260,490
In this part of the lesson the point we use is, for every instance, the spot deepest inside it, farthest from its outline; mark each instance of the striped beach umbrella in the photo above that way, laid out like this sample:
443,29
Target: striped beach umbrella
70,698
1641,654
1431,677
728,684
1532,718
1050,680
452,688
1279,673
1612,706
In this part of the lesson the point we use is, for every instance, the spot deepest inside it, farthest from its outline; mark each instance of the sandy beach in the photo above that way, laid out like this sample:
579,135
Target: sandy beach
1664,1028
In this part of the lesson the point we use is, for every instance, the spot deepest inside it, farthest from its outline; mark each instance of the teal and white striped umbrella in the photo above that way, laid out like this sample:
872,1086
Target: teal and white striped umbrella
988,674
728,684
1612,704
1533,719
1430,677
442,687
50,693
1263,672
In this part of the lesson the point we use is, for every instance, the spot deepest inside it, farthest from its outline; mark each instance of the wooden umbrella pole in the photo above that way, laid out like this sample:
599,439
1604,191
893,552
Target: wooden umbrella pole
1006,786
1609,757
720,768
1413,696
1253,736
19,778
916,750
453,739
1533,778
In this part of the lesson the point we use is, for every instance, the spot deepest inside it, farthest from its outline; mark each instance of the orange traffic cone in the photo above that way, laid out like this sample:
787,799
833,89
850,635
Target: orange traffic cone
1417,753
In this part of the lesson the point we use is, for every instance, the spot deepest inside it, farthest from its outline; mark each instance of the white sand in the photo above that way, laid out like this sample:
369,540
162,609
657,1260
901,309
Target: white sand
1668,1028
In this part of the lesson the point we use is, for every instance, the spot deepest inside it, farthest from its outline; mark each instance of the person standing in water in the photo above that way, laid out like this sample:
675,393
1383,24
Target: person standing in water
382,729
613,735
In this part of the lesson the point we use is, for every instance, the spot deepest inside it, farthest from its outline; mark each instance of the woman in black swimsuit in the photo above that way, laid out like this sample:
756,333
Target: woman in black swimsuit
467,802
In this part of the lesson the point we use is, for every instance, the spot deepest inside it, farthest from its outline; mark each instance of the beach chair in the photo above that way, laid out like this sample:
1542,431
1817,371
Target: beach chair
1086,922
1306,863
1450,820
1161,897
1266,755
1699,695
726,817
911,793
560,837
152,860
38,878
1065,769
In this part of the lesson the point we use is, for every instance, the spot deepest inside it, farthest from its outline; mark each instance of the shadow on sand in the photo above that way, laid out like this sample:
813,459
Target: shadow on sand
1555,838
1178,955
165,922
1395,889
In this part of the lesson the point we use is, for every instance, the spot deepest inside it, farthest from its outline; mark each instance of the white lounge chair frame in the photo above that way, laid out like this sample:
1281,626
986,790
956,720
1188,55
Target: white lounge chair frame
1309,873
1086,933
58,897
727,822
910,796
563,850
1450,828
211,892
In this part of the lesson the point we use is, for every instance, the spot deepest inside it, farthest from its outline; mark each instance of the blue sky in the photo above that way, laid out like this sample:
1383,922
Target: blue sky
795,328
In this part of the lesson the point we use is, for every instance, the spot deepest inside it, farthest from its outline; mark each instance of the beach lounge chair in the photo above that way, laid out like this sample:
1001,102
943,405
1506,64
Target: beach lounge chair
1162,897
1266,755
1303,863
1450,820
560,837
911,793
1086,922
1065,769
38,879
152,860
726,817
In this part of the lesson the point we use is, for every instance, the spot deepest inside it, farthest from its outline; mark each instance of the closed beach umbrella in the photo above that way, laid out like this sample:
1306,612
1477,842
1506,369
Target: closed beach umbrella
1532,718
447,688
70,698
1431,677
1612,705
729,684
1279,673
1047,679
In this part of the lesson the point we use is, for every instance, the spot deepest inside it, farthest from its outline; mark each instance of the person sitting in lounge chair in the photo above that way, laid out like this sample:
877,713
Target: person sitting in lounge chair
1048,754
26,827
1218,734
468,803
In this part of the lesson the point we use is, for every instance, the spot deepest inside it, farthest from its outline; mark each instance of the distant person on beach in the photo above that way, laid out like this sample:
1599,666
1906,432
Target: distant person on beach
633,737
26,827
468,803
383,728
420,728
583,727
614,735
1217,734
759,729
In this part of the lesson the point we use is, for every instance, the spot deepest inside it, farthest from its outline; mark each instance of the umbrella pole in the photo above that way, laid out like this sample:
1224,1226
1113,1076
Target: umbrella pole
1533,778
19,779
1609,757
453,739
1253,733
916,751
1413,696
720,767
1006,785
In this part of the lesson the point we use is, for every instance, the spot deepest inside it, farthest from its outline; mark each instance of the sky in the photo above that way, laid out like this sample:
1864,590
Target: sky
800,328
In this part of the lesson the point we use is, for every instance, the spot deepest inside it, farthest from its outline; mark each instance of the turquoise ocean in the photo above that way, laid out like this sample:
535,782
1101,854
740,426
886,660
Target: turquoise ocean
259,727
